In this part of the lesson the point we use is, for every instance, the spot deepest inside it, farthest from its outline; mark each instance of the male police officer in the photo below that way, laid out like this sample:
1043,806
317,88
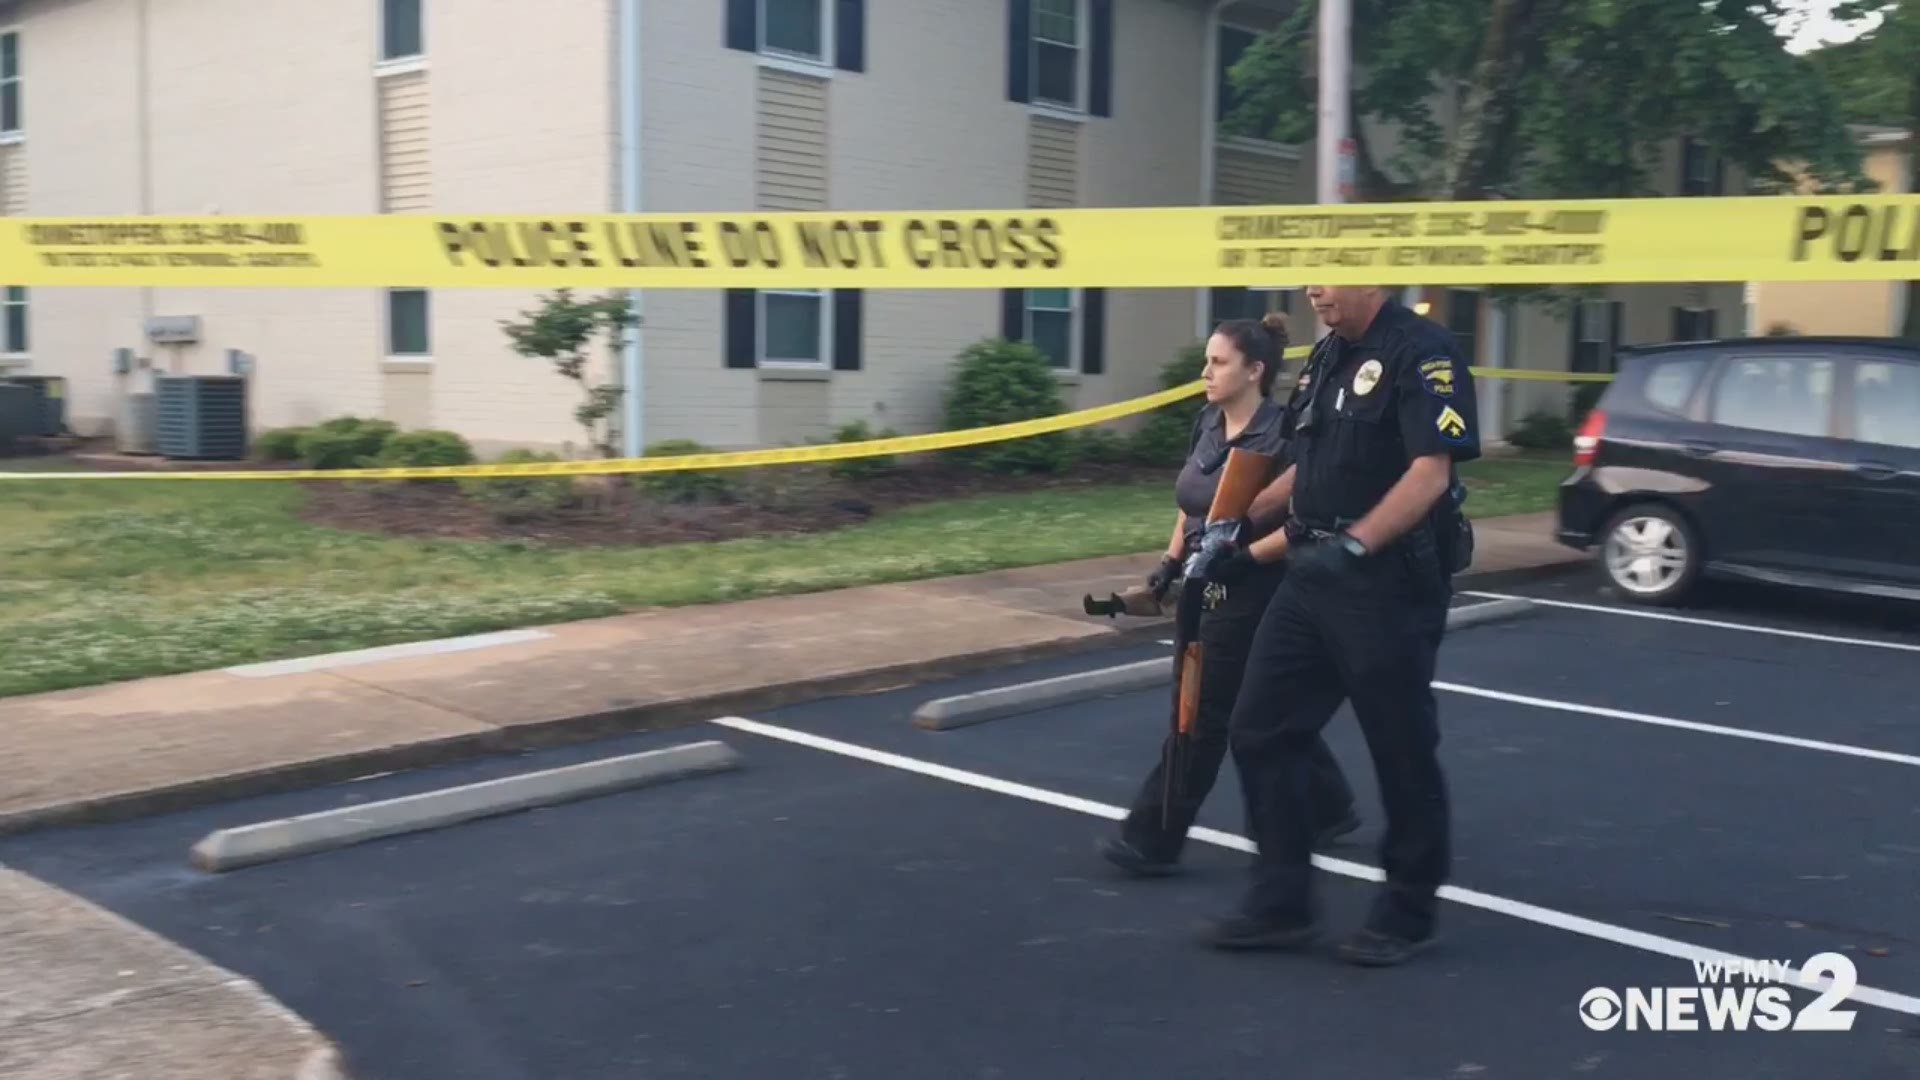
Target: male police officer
1379,416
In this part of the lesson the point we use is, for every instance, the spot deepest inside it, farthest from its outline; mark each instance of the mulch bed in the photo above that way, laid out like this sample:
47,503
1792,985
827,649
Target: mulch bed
623,511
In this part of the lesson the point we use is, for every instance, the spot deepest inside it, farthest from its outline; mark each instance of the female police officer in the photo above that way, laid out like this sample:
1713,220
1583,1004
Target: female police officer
1243,358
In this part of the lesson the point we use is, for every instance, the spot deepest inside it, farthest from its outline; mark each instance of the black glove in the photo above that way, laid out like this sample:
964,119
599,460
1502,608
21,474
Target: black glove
1330,560
1232,566
1163,576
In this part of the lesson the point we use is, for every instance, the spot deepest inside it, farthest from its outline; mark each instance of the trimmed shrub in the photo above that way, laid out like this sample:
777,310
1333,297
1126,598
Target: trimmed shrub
999,382
1163,439
279,444
684,487
424,449
345,442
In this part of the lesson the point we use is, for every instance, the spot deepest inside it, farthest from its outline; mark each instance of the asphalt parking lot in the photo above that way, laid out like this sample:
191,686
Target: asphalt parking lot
868,899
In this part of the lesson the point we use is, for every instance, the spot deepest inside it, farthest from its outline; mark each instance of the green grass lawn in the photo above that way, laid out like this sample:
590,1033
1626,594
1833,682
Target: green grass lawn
104,579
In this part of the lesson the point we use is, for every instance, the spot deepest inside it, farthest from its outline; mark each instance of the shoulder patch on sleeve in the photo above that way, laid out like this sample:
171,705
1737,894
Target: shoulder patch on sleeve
1451,425
1437,376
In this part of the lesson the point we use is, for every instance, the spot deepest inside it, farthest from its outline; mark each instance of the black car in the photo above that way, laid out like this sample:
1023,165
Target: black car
1788,460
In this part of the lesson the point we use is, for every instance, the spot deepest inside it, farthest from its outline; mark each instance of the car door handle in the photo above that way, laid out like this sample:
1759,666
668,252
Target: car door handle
1696,448
1876,470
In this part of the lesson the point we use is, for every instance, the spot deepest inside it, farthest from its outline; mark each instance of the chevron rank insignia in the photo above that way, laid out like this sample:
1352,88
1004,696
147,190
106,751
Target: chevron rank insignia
1451,424
1437,377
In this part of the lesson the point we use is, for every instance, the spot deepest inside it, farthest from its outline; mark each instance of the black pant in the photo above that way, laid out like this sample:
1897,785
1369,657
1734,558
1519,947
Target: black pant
1371,637
1226,632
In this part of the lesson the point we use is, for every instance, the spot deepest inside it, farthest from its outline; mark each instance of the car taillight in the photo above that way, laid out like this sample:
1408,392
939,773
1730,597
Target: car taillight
1587,443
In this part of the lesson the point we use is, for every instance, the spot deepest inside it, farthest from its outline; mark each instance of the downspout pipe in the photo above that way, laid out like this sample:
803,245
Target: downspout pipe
632,353
1209,140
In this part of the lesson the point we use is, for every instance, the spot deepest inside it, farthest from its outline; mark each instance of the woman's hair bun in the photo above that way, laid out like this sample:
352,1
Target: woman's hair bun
1275,323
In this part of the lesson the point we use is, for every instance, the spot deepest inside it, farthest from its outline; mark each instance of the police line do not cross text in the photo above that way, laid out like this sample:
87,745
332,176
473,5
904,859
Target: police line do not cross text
1729,997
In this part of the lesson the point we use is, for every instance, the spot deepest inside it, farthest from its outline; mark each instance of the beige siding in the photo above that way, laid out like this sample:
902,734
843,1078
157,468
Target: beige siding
406,177
791,155
1255,176
13,179
1053,162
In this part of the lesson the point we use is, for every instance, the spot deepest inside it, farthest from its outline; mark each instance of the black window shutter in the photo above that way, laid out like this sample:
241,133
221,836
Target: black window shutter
1013,314
1225,302
1100,65
850,32
1613,335
846,330
742,334
1019,50
1093,331
743,25
1573,337
1680,327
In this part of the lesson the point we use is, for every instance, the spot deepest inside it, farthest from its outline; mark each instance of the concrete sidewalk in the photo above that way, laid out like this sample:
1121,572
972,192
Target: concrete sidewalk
154,744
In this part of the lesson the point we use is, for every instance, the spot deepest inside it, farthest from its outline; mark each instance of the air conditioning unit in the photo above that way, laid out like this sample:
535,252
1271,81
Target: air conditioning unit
50,399
201,417
19,415
134,434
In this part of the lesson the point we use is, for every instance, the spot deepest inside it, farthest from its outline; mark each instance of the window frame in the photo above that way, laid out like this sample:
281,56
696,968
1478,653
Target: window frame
1082,47
823,299
810,64
396,63
392,350
17,83
7,304
1075,351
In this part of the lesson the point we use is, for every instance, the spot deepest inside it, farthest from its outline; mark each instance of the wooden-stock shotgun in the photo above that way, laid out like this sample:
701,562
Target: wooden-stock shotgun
1244,476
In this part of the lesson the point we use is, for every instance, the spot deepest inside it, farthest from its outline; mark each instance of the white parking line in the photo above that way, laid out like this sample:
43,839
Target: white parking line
1533,913
1718,624
1685,725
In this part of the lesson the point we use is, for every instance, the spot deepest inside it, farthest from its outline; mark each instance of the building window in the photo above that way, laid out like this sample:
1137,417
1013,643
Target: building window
1049,326
793,327
15,341
1234,43
1463,321
794,28
1056,52
402,32
1596,332
1693,324
407,323
1237,302
1699,169
10,115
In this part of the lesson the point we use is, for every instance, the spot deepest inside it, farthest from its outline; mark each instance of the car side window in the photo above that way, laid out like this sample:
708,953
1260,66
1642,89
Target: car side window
1886,403
1670,385
1789,395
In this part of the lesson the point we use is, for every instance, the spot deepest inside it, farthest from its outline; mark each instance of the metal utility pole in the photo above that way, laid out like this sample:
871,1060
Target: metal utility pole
1334,139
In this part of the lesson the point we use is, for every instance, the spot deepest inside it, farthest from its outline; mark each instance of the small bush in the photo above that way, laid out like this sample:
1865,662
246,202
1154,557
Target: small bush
863,468
1098,446
691,486
519,498
425,450
279,444
1542,431
1001,382
345,442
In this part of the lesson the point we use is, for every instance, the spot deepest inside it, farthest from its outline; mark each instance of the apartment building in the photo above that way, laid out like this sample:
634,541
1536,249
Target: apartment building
258,107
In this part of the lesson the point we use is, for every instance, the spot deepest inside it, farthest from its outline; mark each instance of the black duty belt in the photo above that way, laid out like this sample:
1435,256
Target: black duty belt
1317,531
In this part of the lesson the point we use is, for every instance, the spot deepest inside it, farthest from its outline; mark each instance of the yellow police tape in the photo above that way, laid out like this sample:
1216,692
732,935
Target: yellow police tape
1558,242
785,455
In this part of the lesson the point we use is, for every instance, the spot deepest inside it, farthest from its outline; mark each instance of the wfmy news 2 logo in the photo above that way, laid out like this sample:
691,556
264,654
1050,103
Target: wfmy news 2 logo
1731,995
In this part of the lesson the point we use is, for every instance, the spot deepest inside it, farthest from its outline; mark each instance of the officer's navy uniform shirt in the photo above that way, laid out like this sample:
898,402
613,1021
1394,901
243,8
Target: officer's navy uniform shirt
1207,458
1364,410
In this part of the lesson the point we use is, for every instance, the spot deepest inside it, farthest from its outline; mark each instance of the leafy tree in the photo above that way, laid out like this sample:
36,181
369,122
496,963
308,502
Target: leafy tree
1558,98
562,330
1877,76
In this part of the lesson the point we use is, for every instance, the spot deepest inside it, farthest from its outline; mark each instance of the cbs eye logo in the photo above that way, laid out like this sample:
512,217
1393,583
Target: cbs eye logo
1600,1008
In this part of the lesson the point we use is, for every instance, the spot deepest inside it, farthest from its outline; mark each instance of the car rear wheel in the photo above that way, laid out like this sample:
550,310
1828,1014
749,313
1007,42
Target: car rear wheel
1650,554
